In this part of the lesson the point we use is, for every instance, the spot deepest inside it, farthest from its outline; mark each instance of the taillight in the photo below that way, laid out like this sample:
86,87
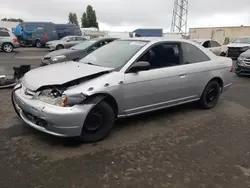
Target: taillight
45,37
232,67
15,40
231,70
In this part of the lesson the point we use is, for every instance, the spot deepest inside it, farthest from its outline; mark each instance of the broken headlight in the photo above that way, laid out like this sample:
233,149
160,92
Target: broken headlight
54,97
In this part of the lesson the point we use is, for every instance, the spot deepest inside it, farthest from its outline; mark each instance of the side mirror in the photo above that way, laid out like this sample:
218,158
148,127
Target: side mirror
67,40
139,66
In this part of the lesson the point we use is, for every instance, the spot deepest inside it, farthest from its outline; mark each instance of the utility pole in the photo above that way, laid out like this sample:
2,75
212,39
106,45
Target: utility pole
179,19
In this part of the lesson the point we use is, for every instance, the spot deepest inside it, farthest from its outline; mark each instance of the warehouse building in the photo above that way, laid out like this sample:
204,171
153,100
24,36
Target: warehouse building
221,34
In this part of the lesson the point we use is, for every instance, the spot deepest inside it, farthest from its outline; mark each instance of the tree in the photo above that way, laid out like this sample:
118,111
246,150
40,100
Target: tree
89,18
73,18
12,20
84,20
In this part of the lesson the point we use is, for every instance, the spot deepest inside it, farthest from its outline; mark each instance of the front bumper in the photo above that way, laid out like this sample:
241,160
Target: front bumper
50,46
45,62
50,119
242,69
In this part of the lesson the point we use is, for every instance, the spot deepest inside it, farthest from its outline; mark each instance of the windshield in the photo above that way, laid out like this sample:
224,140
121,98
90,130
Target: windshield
114,54
83,45
241,40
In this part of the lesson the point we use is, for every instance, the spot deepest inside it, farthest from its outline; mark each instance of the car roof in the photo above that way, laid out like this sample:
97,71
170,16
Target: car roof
105,38
156,39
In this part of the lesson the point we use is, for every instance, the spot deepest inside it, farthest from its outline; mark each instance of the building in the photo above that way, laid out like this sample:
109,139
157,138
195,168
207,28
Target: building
8,25
221,34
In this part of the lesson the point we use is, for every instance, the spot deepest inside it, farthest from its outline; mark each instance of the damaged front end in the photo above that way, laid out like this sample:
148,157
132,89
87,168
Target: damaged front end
55,96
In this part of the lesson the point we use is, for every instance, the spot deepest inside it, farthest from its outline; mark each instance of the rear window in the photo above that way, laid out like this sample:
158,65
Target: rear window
4,34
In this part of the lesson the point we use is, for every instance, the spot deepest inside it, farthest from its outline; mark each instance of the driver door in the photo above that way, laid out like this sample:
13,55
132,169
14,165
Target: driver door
158,87
71,42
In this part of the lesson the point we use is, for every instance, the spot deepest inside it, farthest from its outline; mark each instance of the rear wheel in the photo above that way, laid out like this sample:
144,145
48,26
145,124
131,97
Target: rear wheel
7,47
98,123
38,44
210,95
59,47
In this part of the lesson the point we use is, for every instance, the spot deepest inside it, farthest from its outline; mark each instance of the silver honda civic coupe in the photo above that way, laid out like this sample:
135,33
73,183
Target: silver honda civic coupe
124,78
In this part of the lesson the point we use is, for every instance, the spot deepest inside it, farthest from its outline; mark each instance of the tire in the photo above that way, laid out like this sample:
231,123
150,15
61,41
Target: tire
7,47
211,95
38,44
223,54
59,47
98,123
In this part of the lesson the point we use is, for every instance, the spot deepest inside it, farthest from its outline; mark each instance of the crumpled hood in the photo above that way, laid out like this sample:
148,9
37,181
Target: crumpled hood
58,52
58,74
238,45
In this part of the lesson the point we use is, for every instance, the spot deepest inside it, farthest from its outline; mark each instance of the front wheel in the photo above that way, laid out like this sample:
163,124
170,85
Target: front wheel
59,47
210,95
98,123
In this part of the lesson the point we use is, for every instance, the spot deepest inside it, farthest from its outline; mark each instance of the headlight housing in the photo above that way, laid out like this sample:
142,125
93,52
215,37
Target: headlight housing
244,48
240,60
58,58
53,97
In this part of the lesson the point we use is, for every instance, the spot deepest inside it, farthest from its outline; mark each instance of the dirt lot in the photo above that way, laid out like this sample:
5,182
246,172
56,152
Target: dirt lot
178,147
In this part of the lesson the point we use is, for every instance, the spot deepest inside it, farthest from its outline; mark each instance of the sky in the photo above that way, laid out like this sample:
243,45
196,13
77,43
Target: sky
127,15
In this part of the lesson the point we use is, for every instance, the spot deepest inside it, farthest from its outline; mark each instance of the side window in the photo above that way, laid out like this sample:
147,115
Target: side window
72,38
162,55
192,54
4,34
214,44
207,44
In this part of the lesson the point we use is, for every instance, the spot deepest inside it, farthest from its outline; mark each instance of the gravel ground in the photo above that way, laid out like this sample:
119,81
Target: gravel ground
175,148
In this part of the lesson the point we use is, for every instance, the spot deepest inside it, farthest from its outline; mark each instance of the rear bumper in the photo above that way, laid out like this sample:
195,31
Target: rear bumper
50,119
16,45
233,54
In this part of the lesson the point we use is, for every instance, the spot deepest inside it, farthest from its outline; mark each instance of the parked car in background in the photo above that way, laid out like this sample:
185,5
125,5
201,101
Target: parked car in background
76,52
123,78
8,41
35,33
65,42
243,64
64,30
238,46
213,46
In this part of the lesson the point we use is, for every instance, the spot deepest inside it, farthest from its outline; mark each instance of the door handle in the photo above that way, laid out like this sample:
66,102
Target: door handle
182,75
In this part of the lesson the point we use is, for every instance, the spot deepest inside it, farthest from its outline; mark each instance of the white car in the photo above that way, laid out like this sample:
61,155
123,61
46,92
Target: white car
213,46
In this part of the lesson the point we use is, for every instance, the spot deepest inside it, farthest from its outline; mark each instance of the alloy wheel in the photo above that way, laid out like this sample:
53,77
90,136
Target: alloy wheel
8,48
